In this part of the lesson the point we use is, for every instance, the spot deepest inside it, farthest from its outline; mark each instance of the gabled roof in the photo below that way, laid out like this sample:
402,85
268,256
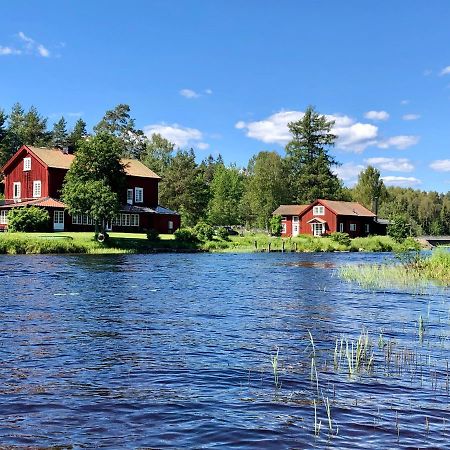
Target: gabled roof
56,159
290,210
47,202
346,208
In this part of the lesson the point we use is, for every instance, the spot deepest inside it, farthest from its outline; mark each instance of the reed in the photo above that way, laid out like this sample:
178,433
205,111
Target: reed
274,360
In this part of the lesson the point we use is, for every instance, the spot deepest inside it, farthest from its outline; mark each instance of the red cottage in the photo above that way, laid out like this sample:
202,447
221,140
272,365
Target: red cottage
34,177
327,216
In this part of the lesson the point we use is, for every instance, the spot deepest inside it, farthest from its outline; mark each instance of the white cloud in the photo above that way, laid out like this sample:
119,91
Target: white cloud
445,71
441,165
189,93
401,181
33,47
179,135
349,172
208,91
6,51
391,164
377,115
352,136
411,116
404,102
400,142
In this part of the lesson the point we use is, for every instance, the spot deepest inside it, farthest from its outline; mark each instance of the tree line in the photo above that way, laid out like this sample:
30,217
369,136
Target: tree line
222,194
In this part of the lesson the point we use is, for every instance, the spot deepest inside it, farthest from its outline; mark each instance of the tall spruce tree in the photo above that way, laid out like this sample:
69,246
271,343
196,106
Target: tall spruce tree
308,161
59,133
77,134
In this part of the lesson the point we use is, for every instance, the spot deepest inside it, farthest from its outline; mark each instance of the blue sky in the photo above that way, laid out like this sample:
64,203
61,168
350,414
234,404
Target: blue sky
226,76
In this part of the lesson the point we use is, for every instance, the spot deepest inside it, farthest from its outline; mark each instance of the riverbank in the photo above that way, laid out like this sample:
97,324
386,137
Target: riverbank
83,242
415,272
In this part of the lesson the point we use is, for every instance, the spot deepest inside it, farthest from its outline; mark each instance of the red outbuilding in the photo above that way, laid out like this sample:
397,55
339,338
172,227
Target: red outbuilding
34,177
323,217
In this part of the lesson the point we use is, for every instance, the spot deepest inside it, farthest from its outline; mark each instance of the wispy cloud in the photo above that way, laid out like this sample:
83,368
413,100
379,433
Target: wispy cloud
400,142
411,116
208,91
6,51
189,93
401,181
376,115
391,164
179,135
404,102
441,165
27,46
349,172
445,71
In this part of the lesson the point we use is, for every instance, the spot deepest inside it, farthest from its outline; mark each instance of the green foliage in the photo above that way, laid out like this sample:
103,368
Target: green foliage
308,162
158,154
59,133
340,238
78,133
28,219
399,228
203,231
226,193
186,235
153,235
222,233
370,188
275,225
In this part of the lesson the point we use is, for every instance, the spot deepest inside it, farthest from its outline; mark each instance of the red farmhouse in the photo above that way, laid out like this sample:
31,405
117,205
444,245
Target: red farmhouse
326,216
34,177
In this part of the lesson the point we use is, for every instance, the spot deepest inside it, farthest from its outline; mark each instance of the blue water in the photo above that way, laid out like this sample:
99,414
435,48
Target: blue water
174,351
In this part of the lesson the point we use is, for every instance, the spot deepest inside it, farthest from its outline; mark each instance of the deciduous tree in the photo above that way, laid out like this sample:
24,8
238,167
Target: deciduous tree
370,190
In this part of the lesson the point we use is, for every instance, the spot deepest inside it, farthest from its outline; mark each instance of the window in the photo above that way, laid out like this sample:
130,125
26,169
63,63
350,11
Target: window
295,219
26,163
134,220
125,220
283,228
36,189
341,227
58,217
170,225
319,210
130,196
367,228
283,218
3,218
353,227
318,229
16,191
138,195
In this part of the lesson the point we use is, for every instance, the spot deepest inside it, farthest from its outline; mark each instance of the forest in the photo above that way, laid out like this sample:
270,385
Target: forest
226,194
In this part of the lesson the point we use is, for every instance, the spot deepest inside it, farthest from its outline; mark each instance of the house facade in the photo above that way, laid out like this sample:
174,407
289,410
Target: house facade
323,217
34,177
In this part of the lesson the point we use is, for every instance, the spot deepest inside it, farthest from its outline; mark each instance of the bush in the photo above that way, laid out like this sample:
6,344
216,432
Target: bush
185,235
152,235
340,238
399,228
28,219
222,233
204,232
275,225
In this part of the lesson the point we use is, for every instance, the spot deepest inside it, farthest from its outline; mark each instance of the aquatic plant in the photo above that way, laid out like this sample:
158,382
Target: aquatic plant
274,360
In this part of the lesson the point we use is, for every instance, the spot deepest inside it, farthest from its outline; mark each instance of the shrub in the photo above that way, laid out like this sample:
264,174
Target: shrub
152,235
28,219
222,233
275,225
185,235
340,238
399,228
204,232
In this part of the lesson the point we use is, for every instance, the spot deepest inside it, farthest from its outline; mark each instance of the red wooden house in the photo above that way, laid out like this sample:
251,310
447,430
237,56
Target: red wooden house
34,177
328,216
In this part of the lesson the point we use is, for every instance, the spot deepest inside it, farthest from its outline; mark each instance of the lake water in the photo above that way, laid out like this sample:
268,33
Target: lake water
174,350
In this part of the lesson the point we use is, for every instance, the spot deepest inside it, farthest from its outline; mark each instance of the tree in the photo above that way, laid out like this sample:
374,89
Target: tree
35,129
59,133
399,228
308,161
276,226
183,188
265,188
78,133
5,150
28,219
226,194
158,154
93,182
370,190
118,122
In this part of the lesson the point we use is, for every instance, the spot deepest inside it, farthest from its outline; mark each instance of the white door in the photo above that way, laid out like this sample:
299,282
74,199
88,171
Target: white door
108,225
58,220
295,226
317,229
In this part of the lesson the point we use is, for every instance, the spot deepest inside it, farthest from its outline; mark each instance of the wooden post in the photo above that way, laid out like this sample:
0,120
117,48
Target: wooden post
268,247
256,244
296,246
282,246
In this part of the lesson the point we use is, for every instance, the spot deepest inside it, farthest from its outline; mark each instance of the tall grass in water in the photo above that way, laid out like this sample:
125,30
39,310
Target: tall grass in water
417,271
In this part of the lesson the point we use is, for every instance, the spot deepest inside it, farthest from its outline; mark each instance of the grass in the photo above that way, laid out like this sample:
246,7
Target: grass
416,272
83,242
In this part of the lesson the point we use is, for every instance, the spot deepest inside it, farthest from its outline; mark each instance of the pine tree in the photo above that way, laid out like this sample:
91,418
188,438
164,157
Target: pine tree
78,134
308,161
59,133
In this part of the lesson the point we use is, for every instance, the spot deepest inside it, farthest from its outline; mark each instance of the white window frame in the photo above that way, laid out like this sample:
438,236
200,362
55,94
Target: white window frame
353,227
315,229
295,219
17,188
283,228
319,210
139,195
37,189
367,228
283,218
130,196
170,225
58,216
126,220
341,227
3,217
26,164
